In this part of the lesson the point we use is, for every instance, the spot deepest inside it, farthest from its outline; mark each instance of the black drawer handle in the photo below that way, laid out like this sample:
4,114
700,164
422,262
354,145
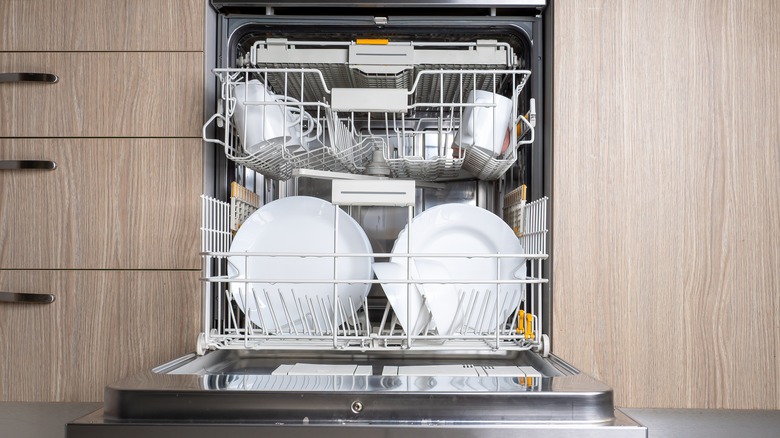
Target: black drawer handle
47,78
27,164
22,298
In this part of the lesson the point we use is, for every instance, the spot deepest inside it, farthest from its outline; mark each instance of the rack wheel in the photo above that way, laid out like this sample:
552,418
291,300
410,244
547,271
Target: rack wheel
200,345
544,345
545,348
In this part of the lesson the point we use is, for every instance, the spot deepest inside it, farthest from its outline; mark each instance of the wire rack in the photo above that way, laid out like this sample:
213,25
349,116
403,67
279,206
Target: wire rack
325,321
416,133
417,130
380,63
333,148
422,143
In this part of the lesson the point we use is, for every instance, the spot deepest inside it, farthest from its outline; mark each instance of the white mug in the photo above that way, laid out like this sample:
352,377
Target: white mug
300,139
485,126
264,119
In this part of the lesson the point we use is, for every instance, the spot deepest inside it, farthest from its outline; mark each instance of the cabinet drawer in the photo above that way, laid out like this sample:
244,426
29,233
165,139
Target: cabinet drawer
109,204
102,326
101,25
103,95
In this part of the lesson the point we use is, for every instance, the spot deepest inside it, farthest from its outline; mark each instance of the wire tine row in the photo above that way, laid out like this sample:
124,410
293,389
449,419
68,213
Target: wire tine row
297,315
534,238
215,229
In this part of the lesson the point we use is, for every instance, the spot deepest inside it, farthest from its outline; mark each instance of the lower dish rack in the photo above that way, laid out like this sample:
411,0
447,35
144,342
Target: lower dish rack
509,314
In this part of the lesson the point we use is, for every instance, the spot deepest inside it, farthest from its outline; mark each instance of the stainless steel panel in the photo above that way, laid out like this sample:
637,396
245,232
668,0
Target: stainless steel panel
96,425
237,385
220,4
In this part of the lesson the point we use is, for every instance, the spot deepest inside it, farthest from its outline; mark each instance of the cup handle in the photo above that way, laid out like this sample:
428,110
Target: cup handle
301,116
312,123
288,104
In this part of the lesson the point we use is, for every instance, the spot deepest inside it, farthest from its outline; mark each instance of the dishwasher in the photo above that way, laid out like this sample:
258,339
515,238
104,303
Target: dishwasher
375,232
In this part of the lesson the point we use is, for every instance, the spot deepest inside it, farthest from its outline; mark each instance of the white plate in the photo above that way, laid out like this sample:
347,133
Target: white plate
443,313
396,294
447,315
466,229
298,224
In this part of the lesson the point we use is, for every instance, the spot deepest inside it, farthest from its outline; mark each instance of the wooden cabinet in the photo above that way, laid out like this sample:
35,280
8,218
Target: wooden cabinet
109,204
134,94
112,232
101,25
102,326
665,200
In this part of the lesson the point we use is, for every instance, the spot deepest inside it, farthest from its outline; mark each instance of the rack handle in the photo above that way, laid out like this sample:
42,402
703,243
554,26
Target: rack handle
47,78
27,165
206,126
26,298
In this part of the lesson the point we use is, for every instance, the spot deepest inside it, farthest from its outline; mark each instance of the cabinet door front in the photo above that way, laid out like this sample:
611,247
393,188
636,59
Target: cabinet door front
133,94
108,204
101,25
102,326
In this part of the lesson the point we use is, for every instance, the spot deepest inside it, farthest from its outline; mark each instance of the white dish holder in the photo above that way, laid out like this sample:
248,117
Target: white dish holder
226,327
410,110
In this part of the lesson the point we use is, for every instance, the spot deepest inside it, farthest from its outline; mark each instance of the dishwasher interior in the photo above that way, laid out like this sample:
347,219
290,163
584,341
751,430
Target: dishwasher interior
374,233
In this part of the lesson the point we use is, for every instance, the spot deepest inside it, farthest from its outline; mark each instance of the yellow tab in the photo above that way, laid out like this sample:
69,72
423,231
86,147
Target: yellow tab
529,326
524,188
372,41
520,319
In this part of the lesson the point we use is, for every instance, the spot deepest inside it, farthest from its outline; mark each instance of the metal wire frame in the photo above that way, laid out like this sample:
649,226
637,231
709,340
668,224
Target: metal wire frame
226,327
346,140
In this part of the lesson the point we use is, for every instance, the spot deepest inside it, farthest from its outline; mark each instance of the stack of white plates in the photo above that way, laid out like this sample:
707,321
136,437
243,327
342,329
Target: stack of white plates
298,225
454,305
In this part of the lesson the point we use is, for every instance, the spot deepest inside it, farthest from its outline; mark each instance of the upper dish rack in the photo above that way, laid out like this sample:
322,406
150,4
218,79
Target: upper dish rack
338,150
363,99
375,63
343,324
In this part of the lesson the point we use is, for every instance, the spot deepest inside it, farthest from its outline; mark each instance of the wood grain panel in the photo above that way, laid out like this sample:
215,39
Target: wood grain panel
110,204
101,25
103,326
104,95
666,189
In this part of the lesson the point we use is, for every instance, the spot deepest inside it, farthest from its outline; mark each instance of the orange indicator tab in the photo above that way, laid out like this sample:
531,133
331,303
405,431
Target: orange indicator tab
372,41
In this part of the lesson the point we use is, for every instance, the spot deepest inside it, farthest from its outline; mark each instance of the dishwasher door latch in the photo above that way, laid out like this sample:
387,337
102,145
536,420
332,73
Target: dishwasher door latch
381,21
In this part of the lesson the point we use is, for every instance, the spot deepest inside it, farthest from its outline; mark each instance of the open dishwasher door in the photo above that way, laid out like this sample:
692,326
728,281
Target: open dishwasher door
246,393
370,267
323,369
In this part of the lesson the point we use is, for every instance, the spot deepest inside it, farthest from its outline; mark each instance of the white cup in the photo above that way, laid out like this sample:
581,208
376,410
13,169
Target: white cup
483,125
264,119
300,139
